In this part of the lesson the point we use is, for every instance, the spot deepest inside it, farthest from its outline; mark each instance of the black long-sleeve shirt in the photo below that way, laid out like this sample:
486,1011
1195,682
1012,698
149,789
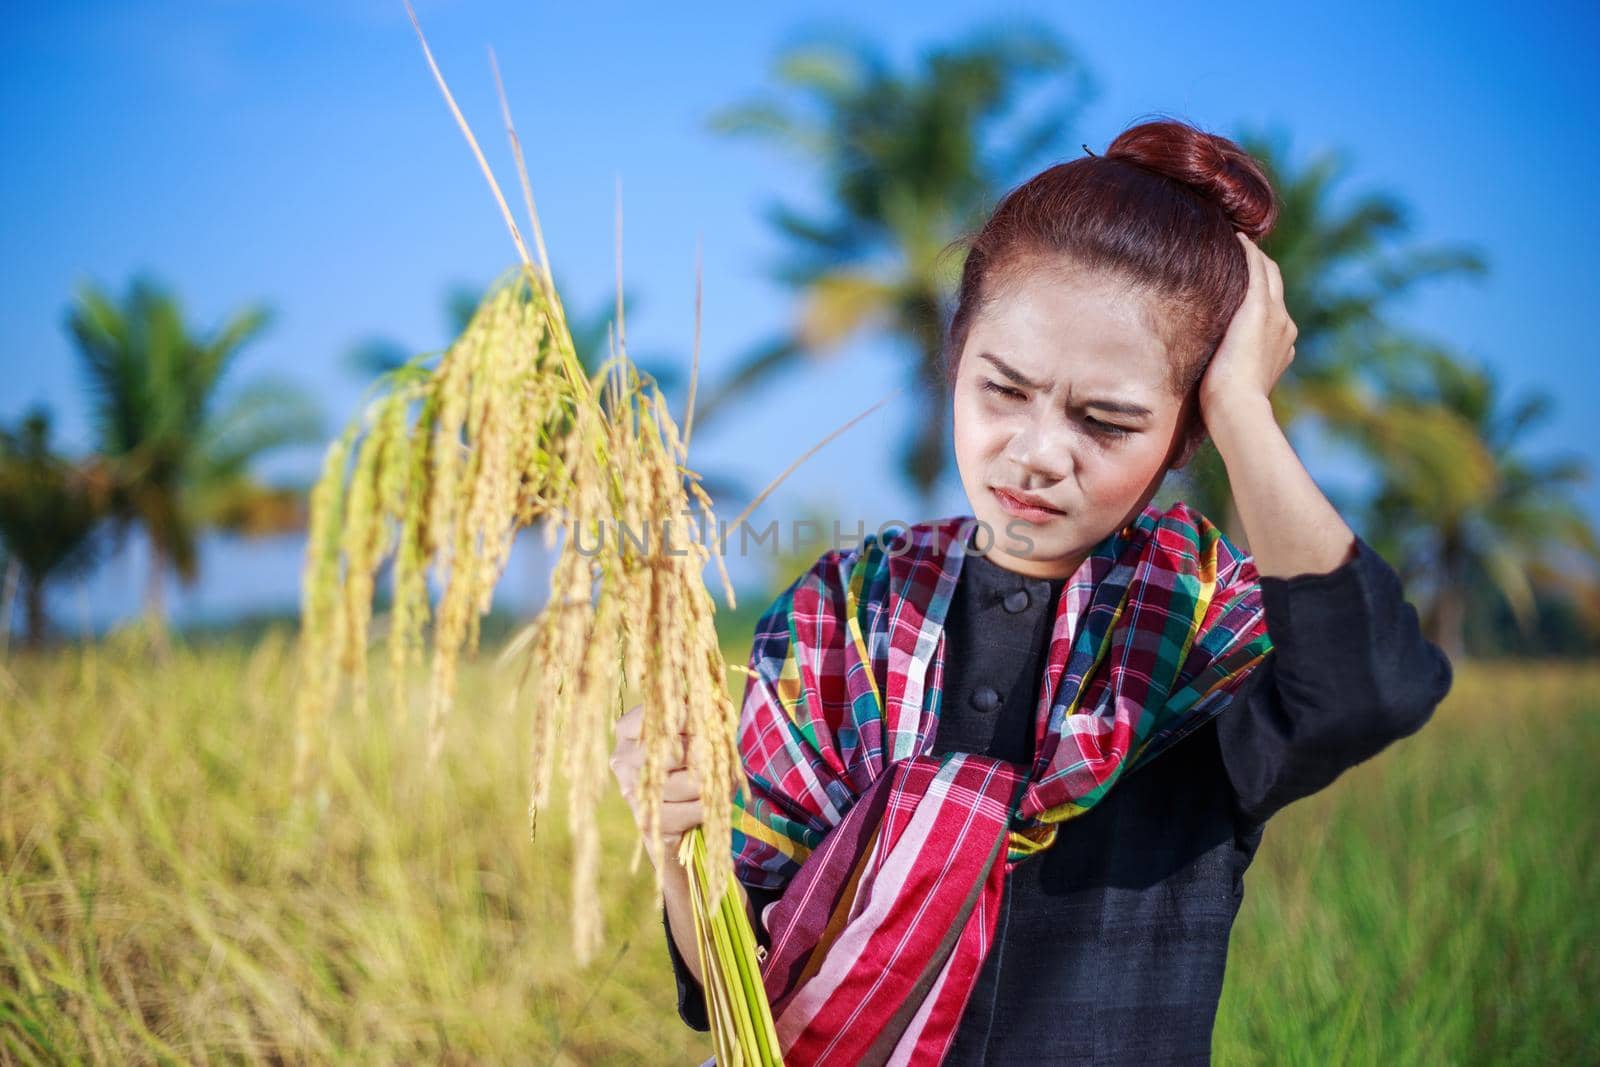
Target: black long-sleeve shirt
1111,943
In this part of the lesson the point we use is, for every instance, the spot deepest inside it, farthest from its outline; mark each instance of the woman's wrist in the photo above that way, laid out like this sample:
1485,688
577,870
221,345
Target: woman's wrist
680,913
672,871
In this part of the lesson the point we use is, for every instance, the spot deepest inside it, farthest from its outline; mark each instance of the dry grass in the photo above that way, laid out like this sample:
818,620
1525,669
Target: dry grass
163,899
161,902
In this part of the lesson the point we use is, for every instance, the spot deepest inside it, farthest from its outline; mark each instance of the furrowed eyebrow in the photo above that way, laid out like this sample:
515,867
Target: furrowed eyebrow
1120,407
1016,376
1137,411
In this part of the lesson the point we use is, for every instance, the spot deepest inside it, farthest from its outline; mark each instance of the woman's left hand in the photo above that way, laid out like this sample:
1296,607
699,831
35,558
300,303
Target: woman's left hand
1259,343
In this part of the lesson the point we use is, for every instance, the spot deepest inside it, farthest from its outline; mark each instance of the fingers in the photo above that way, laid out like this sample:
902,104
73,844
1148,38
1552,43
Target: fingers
1265,274
627,727
680,809
1252,261
1270,274
1263,271
680,785
630,757
627,759
680,816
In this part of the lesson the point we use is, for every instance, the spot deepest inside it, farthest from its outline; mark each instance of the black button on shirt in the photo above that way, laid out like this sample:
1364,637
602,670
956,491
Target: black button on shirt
1111,944
1014,615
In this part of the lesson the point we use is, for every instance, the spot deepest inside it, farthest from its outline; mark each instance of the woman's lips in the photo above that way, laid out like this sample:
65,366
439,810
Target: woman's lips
1013,506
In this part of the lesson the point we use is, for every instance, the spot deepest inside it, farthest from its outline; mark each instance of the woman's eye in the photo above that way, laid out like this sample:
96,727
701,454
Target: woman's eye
1107,428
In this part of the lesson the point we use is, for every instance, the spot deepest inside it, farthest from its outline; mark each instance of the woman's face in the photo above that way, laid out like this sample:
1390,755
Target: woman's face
1063,392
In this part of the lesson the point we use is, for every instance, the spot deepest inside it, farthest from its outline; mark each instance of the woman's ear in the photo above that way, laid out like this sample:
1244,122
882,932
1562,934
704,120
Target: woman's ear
1191,445
1191,435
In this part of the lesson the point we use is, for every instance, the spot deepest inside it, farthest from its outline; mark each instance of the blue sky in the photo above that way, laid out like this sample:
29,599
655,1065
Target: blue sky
300,154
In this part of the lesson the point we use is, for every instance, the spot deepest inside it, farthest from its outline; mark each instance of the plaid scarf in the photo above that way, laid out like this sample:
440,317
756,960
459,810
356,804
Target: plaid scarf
892,859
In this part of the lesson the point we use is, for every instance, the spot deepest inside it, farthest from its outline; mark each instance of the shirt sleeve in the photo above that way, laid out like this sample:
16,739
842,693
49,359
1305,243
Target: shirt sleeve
1349,674
691,994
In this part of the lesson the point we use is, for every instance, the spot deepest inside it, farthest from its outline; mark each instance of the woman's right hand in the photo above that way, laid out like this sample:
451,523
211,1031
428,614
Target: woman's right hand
680,802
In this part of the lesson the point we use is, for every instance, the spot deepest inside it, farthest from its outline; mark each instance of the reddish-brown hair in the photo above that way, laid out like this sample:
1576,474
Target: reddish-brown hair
1155,213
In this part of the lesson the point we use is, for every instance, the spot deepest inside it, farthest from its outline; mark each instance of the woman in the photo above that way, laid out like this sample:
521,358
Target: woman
957,844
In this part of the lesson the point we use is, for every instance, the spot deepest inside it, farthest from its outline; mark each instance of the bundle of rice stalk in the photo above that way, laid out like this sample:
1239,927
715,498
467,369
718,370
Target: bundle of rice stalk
438,473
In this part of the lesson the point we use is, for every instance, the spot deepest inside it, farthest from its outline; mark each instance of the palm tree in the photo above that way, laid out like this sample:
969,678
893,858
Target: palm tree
181,455
50,510
908,163
1517,531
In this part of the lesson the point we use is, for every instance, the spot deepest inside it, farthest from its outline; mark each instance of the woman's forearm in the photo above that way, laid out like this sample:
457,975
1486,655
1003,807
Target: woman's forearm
1292,528
680,912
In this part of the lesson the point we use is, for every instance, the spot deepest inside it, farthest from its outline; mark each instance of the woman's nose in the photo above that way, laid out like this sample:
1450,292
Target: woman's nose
1041,448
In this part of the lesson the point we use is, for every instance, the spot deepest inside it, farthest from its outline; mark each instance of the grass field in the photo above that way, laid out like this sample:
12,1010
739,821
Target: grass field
161,902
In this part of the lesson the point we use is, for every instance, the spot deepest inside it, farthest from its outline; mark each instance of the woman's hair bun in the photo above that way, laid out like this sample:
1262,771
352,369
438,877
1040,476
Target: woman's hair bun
1215,167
